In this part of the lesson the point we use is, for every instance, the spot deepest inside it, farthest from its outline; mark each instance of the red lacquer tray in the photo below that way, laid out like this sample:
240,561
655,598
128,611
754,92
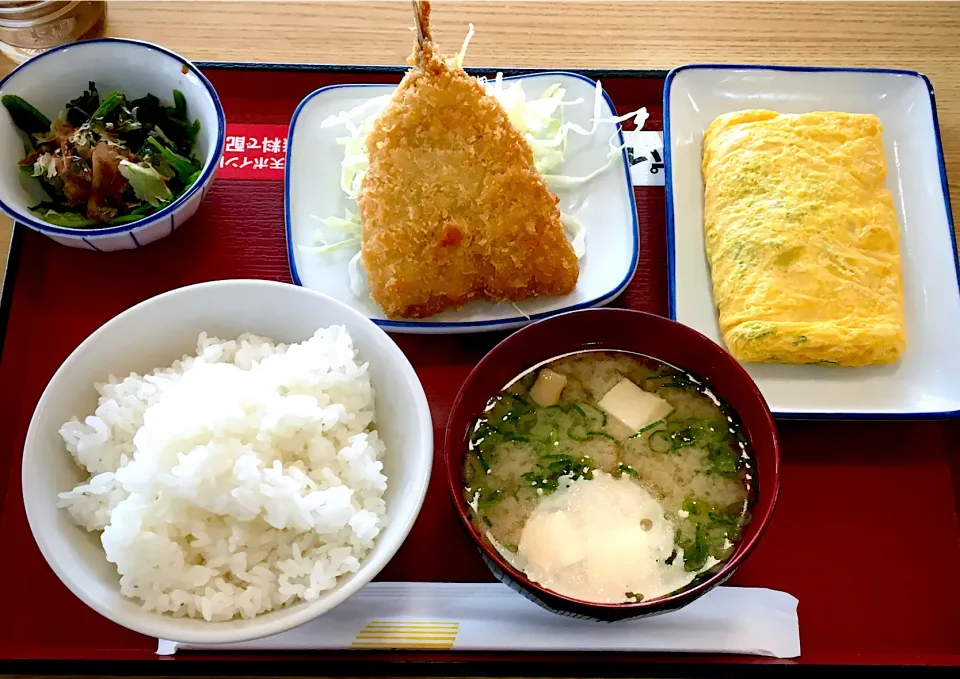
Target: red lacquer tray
865,532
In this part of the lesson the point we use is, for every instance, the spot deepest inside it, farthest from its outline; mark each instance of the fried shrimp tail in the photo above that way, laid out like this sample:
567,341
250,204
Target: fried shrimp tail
421,17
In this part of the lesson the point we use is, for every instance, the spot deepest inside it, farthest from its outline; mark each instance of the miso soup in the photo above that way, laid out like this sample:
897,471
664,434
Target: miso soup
609,477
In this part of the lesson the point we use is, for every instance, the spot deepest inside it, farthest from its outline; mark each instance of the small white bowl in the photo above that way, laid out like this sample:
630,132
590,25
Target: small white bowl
50,80
154,334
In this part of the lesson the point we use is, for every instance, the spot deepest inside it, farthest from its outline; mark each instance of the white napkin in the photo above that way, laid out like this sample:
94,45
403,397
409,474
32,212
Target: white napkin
492,617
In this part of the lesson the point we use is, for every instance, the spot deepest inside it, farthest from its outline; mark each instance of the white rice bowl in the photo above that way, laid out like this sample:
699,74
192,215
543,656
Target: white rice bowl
238,480
155,333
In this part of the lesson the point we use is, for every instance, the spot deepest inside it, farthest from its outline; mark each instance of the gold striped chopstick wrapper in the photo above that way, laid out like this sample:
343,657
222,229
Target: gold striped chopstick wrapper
400,634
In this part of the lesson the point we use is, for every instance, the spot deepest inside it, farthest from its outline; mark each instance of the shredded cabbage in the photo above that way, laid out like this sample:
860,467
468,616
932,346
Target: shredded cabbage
458,61
359,122
356,275
540,121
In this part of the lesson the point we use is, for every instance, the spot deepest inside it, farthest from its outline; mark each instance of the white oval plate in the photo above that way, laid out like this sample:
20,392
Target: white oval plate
605,206
923,383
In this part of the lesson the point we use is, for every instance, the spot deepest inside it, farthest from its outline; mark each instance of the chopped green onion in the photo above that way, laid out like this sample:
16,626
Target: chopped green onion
650,426
660,442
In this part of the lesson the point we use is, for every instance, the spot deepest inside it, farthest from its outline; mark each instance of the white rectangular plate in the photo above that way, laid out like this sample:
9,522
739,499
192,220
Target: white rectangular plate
605,206
924,383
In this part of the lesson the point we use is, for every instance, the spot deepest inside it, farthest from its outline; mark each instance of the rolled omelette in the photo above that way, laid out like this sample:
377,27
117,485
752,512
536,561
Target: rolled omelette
802,238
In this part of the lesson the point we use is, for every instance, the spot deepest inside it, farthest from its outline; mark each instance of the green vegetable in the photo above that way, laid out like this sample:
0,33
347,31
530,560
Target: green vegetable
652,425
126,219
485,447
504,406
694,506
28,146
677,380
553,467
70,220
192,179
148,113
712,435
149,185
724,461
184,134
167,122
545,432
588,423
695,557
625,469
146,108
137,214
636,597
729,521
510,417
157,170
687,433
586,436
176,126
524,421
185,168
758,330
593,414
109,105
521,400
488,497
660,442
525,383
146,209
25,116
179,105
81,109
713,527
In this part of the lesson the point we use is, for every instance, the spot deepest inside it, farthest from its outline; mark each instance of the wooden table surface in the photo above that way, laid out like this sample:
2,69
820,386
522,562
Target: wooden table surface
912,35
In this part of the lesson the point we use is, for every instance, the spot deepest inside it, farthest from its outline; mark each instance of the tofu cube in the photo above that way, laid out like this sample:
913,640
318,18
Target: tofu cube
546,390
633,406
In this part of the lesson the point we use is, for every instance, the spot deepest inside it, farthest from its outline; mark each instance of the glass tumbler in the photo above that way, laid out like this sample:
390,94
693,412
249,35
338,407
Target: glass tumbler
29,28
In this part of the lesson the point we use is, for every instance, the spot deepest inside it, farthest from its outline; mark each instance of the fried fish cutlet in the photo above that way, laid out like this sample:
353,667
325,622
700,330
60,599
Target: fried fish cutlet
452,207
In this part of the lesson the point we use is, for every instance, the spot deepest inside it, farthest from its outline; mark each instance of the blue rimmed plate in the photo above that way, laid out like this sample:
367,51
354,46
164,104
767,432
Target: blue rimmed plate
923,384
605,206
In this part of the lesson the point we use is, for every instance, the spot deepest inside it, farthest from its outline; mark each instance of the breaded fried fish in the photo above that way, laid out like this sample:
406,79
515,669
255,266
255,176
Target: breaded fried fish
452,207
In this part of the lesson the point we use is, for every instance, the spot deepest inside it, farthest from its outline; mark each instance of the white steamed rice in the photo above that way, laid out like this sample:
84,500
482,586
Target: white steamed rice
237,481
